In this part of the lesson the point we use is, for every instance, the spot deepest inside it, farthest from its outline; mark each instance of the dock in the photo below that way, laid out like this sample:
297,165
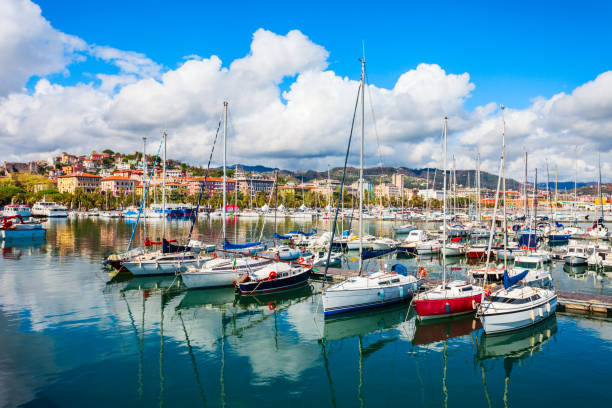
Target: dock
568,302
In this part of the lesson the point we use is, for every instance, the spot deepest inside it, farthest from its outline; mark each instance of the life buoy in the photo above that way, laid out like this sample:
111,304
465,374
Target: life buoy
272,275
422,271
488,291
300,260
271,305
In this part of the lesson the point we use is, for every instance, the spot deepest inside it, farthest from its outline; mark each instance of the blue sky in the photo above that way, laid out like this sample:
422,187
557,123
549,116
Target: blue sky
512,51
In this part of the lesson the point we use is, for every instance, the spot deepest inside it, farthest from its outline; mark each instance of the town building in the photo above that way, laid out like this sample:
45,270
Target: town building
253,183
69,183
213,184
117,185
73,168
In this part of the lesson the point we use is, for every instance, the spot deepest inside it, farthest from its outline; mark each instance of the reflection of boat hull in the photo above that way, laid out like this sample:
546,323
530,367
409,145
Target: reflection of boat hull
199,298
210,279
361,323
23,233
505,321
575,260
432,331
274,299
516,342
274,285
153,268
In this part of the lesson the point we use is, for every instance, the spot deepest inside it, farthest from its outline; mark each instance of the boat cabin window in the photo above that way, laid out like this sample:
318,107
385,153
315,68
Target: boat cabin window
512,301
570,250
467,288
396,280
527,265
383,283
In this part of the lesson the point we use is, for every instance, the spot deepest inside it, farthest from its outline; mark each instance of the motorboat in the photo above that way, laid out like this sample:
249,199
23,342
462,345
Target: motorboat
413,239
453,249
405,229
319,258
11,230
576,255
282,253
537,274
428,247
516,307
49,209
476,251
275,277
367,242
17,209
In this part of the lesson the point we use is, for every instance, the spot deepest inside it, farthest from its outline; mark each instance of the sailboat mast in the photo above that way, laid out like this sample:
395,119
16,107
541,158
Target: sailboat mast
361,166
575,184
444,210
224,164
478,181
144,175
525,199
164,189
548,189
504,186
599,186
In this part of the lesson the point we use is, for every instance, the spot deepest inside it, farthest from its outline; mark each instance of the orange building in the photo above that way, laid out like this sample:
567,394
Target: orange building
84,181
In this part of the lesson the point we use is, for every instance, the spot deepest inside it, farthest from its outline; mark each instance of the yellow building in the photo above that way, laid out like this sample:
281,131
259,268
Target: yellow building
85,181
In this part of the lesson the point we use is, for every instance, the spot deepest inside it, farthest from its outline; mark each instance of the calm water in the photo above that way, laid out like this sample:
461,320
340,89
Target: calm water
71,335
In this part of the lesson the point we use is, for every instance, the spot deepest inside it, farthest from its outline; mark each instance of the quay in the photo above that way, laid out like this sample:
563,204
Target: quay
568,302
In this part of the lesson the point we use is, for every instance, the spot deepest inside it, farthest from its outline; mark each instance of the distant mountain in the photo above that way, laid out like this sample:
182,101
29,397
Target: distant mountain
256,168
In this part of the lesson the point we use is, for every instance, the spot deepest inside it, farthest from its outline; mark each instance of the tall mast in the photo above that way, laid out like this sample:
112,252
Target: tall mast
361,166
504,186
444,210
478,188
525,199
144,175
556,191
164,189
224,164
548,190
575,184
599,185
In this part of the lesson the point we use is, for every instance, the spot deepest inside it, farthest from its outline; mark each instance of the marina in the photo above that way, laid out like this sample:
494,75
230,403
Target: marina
157,338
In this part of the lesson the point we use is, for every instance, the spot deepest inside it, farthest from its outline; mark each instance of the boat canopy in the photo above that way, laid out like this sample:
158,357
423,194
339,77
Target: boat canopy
168,248
306,234
228,245
277,236
528,240
400,269
510,281
373,253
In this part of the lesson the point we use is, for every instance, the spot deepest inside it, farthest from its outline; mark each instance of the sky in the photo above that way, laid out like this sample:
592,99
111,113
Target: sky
79,76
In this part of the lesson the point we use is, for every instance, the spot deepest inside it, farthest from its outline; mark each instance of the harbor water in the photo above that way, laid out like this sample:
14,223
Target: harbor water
73,335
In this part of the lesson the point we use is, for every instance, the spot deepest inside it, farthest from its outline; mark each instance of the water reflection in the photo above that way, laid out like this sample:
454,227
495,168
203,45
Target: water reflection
433,331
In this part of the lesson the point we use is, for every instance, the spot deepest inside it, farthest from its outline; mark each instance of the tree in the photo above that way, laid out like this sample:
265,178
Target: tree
108,151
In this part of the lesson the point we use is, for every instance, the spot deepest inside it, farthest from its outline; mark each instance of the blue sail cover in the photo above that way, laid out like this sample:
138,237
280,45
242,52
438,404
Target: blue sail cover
400,269
558,224
375,253
281,236
509,281
306,234
528,240
228,245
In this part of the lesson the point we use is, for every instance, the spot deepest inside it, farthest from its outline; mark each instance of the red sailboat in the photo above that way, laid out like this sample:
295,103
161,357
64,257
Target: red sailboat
449,298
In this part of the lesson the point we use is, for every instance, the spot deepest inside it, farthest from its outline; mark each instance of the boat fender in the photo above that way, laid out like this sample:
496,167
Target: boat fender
473,304
422,272
540,312
234,283
488,291
548,308
277,257
532,315
447,307
272,275
214,255
271,305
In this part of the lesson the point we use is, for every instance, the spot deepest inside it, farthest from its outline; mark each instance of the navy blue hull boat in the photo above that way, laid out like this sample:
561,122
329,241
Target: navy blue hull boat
275,277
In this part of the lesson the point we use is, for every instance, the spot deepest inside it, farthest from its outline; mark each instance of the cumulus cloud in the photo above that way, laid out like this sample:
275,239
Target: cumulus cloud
29,46
305,123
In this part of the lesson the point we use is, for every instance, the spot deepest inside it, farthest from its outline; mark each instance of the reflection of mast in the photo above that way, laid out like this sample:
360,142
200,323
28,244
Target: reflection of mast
328,373
484,384
193,360
360,396
140,340
222,379
161,353
444,387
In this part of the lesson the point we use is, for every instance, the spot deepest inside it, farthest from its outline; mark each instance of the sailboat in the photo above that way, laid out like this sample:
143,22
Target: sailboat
222,271
450,298
515,306
171,258
374,289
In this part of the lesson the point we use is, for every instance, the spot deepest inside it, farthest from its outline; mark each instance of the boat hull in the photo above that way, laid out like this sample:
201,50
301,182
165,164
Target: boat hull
154,268
513,320
335,302
203,280
575,260
441,308
276,285
20,234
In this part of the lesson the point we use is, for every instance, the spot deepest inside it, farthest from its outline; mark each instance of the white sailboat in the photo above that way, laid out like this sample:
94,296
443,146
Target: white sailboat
375,289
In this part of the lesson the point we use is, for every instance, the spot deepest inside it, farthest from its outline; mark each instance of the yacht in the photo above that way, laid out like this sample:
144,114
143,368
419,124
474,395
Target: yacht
220,272
10,230
274,277
282,252
576,255
49,209
537,274
17,209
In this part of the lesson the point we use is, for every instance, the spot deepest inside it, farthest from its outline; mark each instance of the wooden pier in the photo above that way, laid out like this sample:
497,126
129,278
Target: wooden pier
568,302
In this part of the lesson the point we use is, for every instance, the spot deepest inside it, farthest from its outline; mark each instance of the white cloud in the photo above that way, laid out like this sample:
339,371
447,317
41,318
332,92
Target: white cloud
304,126
29,46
